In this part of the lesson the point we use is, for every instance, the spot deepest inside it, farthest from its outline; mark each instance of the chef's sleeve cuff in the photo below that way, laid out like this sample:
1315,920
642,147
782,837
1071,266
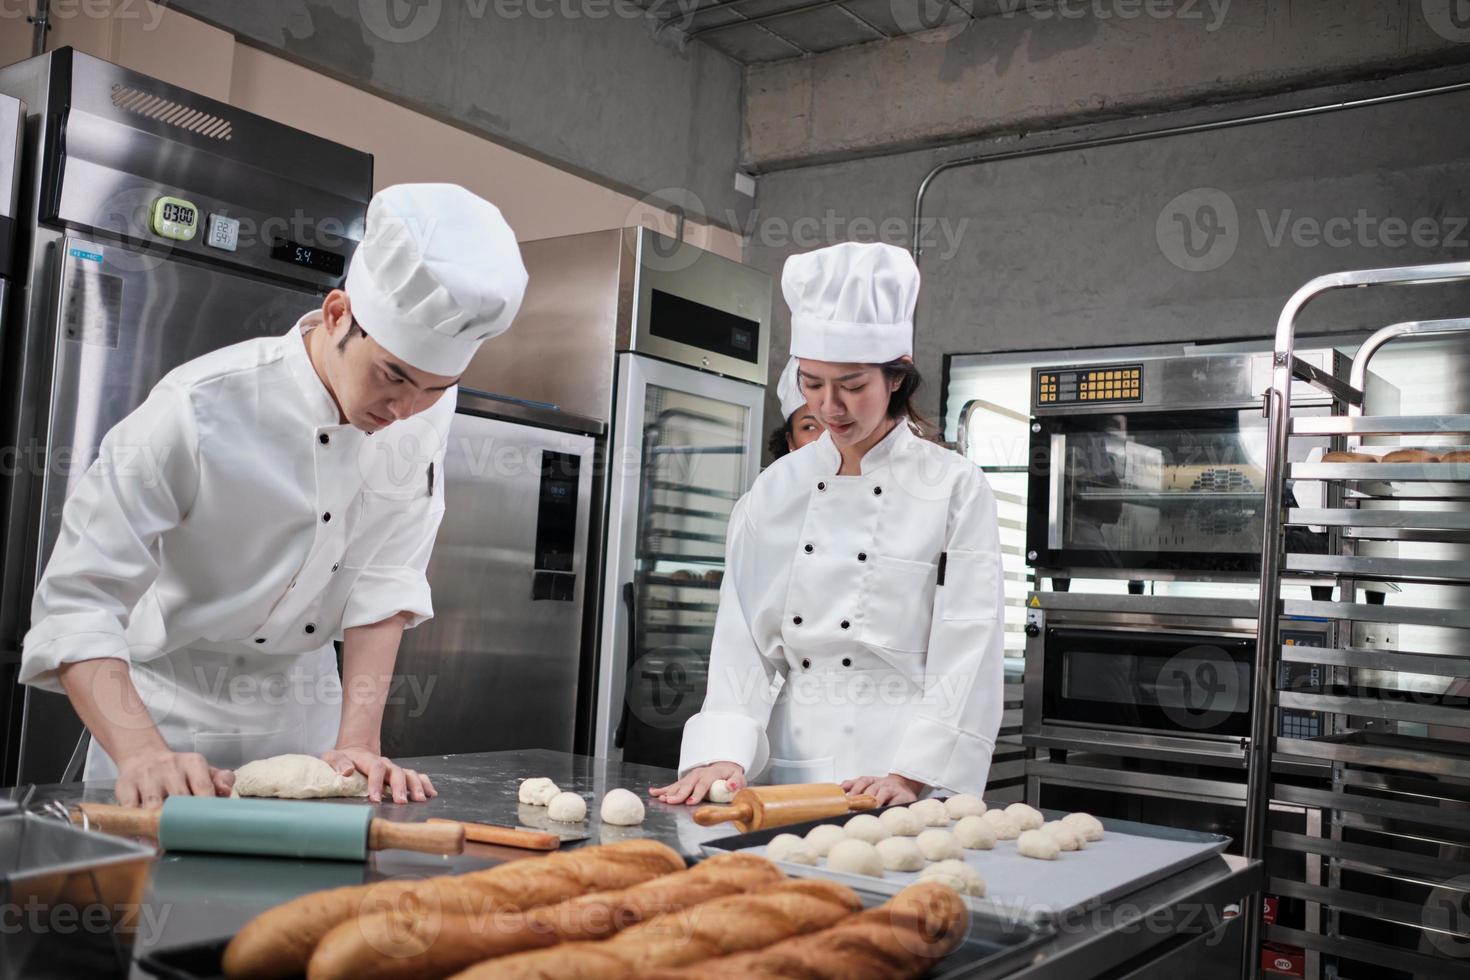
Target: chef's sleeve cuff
944,757
384,591
724,736
41,657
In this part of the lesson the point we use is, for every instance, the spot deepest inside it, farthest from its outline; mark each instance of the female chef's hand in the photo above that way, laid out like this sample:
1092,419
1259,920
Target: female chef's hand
149,777
889,790
695,784
403,783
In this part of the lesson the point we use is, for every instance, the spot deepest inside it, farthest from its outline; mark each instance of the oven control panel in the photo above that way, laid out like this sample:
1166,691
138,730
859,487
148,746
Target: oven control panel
1109,383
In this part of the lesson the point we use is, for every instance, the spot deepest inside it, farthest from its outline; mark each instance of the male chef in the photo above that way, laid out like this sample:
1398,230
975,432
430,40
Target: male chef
268,499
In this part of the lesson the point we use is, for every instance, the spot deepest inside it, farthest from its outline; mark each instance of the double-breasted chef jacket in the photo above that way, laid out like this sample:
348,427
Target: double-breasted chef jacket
231,528
860,622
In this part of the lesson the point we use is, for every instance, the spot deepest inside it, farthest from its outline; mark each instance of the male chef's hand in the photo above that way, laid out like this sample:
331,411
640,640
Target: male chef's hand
403,783
695,784
147,778
889,790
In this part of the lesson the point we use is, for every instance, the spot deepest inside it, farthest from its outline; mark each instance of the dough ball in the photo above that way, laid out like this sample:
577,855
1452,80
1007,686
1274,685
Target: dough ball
901,822
931,811
957,875
900,854
1004,825
296,777
824,837
973,833
856,857
538,792
789,847
1028,817
939,845
1085,824
567,808
720,791
1067,838
622,808
964,805
1038,844
866,827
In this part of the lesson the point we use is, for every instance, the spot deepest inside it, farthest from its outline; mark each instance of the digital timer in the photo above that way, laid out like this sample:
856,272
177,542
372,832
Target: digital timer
175,218
309,256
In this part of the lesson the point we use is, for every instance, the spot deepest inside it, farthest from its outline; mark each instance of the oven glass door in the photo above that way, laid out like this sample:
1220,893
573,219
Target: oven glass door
1148,490
1178,684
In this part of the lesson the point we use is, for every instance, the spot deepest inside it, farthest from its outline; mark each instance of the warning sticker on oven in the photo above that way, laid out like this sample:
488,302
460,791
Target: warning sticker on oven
84,254
91,308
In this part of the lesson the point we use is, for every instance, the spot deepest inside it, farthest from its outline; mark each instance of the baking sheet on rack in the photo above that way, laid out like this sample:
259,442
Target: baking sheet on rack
1129,857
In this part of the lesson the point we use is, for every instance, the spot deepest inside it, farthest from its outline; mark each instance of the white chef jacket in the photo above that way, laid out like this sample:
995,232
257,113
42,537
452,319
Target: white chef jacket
231,528
839,651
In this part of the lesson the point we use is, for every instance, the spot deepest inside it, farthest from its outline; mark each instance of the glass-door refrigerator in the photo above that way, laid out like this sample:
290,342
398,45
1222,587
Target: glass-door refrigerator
668,344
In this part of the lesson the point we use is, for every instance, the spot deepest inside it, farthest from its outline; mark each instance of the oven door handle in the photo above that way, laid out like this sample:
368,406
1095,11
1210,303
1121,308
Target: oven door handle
1056,476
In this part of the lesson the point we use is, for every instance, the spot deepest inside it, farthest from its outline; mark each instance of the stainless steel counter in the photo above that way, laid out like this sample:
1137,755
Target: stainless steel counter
198,897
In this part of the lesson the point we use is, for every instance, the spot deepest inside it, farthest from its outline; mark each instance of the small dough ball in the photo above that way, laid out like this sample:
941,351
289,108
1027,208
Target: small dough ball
567,808
720,791
939,845
789,847
1028,817
1038,844
866,827
973,833
931,811
901,822
823,838
622,808
900,854
1004,825
957,875
539,791
856,857
1085,824
1067,838
964,805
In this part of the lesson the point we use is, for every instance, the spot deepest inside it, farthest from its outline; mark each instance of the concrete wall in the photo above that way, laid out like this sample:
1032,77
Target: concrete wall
1087,247
581,85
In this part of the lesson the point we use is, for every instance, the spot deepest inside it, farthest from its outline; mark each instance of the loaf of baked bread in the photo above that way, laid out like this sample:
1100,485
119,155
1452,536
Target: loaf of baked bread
903,938
279,942
404,944
1411,456
693,935
1456,456
1342,456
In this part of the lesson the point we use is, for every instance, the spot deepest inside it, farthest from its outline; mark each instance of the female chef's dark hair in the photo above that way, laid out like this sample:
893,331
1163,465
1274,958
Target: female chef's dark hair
777,443
901,401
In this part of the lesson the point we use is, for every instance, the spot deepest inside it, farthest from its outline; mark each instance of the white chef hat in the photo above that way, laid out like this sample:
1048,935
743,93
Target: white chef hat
438,273
852,302
788,390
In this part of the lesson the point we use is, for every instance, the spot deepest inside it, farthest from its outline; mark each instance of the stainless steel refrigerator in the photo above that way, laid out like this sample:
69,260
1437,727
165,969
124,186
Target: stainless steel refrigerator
154,225
667,344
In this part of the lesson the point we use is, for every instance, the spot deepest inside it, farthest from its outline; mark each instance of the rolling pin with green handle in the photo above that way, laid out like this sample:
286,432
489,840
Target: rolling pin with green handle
277,828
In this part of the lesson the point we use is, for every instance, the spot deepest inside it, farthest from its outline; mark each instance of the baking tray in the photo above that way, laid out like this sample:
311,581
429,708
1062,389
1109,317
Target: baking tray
1131,856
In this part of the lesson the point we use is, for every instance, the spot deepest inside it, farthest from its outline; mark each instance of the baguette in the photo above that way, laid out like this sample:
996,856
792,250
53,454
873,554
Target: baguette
902,939
402,944
676,939
279,942
1411,456
1343,456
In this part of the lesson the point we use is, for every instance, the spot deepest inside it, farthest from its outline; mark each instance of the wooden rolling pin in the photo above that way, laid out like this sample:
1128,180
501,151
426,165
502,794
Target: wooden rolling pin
279,828
484,833
758,807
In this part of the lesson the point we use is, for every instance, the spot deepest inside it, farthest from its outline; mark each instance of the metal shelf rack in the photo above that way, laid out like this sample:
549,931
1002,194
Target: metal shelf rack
1395,844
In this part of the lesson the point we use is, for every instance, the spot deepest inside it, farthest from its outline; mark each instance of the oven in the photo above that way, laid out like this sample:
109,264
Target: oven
1154,468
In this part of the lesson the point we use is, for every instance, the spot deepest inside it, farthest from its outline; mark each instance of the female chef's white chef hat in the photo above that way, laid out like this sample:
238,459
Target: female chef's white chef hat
437,274
852,303
788,389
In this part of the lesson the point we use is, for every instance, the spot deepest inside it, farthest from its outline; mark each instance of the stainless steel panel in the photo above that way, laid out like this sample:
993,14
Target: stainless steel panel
494,669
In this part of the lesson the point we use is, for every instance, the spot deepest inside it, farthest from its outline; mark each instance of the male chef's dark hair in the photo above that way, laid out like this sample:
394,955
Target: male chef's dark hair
352,331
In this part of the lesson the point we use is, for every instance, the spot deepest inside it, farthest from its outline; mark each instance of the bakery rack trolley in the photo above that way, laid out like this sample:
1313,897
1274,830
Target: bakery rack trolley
1396,827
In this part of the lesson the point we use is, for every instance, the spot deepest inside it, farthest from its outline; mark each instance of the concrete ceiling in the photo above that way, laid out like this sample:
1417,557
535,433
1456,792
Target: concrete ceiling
755,31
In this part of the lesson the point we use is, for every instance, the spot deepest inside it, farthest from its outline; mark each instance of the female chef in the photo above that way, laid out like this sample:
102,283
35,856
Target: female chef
858,638
800,425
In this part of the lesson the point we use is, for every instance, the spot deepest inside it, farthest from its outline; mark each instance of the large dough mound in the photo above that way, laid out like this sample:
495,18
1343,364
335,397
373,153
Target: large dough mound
296,777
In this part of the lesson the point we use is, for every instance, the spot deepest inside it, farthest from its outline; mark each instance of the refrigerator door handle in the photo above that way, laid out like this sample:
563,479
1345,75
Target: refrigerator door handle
630,602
